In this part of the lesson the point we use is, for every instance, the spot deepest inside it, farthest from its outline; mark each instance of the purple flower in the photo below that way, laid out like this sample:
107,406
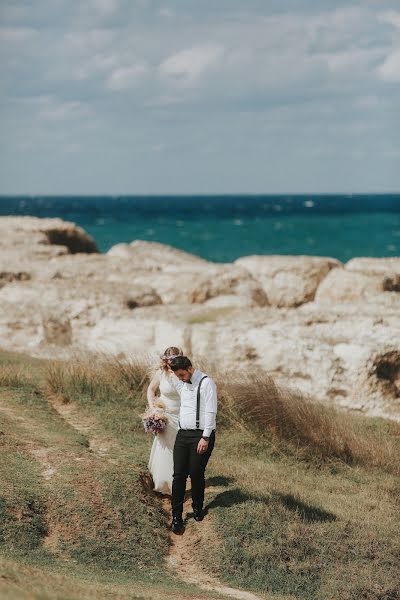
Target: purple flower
154,423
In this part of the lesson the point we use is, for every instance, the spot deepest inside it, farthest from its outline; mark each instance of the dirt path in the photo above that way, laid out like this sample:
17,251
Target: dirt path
183,549
39,453
98,444
182,557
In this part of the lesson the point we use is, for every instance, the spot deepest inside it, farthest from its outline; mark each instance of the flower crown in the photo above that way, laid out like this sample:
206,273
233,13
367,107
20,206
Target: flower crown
164,357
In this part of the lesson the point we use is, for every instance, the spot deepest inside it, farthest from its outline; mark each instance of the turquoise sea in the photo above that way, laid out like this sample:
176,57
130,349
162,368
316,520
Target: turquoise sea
222,228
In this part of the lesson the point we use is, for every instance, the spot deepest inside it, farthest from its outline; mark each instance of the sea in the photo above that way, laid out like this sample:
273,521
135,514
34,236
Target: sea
223,228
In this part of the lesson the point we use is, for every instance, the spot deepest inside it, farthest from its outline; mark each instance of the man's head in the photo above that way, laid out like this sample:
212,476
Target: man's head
182,367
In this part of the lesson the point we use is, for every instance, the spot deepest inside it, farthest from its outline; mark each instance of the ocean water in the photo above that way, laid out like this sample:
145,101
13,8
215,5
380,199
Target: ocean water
223,228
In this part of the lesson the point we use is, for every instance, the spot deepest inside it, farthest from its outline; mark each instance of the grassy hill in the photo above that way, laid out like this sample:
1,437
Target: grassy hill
303,501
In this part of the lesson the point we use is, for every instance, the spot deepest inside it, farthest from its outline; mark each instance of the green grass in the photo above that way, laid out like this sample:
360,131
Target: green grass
93,515
308,508
309,530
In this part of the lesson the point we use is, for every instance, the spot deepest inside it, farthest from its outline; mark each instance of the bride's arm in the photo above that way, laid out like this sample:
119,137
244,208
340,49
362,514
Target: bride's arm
151,390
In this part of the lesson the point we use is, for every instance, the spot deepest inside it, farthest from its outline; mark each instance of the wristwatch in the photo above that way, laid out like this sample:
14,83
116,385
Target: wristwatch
204,437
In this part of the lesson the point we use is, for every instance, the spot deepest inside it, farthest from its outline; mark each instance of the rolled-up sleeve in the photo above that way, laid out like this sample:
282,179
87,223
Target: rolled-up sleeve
209,393
177,383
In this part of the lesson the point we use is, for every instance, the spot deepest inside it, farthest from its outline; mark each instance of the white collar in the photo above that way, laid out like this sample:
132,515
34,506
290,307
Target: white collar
196,376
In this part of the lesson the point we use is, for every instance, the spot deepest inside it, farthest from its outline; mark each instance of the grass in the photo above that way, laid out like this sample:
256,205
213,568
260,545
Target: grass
309,511
310,531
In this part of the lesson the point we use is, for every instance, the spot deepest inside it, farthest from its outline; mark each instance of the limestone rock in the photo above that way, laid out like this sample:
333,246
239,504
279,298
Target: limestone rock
375,266
330,331
363,280
229,281
289,280
31,236
9,276
146,296
154,255
346,286
57,330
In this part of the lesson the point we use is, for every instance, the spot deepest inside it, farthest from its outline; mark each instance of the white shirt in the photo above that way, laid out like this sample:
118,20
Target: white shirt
208,402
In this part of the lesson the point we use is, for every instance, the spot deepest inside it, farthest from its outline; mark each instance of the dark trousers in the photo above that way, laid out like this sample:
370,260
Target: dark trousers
188,463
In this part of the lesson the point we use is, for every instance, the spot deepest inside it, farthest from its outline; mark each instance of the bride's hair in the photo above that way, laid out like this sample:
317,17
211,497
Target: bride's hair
169,353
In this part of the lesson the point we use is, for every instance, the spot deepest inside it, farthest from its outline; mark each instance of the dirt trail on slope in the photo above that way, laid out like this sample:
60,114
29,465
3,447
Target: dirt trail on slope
183,548
49,452
182,557
87,426
40,453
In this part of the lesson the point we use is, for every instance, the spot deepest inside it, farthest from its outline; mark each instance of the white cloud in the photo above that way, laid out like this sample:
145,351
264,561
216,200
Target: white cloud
89,40
367,102
104,7
189,64
95,64
166,12
200,75
391,17
389,70
54,110
350,59
123,78
16,34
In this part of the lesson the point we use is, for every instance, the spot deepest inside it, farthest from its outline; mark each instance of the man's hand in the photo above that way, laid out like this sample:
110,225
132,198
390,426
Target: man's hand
202,446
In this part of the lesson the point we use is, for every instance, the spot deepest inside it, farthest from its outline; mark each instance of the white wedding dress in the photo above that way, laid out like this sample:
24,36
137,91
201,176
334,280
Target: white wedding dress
161,461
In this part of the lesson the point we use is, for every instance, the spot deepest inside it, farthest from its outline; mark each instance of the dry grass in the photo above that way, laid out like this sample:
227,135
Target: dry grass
255,402
307,510
323,430
100,379
251,401
12,376
246,401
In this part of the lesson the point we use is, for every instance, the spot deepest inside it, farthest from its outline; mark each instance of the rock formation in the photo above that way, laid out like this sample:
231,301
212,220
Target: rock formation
330,329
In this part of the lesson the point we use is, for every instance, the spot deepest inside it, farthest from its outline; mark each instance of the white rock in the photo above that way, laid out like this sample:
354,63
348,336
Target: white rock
289,280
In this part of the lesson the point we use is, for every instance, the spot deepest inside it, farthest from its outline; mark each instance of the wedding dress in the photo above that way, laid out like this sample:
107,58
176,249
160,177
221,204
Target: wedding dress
161,463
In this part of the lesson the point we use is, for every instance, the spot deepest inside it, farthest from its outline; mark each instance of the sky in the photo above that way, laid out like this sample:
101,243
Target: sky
199,96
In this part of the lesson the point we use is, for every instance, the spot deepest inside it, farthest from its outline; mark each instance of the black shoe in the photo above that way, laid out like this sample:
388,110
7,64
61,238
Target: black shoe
198,514
177,526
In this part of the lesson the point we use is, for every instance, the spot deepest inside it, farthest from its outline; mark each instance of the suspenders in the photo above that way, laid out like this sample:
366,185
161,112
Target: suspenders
198,405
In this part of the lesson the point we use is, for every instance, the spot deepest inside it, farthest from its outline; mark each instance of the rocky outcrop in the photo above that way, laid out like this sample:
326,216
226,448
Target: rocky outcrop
30,236
328,329
289,280
229,281
363,280
153,255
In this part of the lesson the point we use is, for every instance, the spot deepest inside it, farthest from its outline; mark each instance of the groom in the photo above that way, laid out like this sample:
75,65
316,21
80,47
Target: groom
196,436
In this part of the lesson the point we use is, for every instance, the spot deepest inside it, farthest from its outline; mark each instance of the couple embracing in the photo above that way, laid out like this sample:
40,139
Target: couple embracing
183,448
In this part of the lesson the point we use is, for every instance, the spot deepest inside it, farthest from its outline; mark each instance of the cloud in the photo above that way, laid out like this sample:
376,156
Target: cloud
166,12
16,34
52,109
391,17
188,65
351,60
123,78
89,40
104,7
275,79
389,70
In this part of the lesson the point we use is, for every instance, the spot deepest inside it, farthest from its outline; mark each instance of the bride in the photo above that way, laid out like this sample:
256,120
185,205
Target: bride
161,464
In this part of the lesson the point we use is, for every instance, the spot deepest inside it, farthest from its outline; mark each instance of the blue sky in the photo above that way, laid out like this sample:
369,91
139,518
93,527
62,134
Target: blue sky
190,96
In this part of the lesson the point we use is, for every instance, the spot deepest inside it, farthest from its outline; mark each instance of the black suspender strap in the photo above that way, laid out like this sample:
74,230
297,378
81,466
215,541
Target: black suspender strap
198,403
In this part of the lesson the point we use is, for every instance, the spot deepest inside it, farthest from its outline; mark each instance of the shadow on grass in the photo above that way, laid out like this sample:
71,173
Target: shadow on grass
233,498
219,480
307,512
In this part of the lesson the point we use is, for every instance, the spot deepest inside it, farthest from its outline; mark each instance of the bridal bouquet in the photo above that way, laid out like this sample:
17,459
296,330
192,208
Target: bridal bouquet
154,419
